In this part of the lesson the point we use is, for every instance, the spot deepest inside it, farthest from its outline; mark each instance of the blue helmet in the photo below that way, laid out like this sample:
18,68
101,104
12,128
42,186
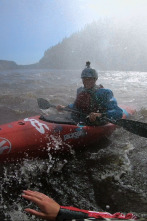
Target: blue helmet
89,72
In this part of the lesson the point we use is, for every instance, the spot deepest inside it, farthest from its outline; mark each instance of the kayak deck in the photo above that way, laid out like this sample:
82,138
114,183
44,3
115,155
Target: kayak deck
33,136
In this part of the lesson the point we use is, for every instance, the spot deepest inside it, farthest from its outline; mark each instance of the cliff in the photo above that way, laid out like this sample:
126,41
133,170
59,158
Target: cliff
107,43
7,65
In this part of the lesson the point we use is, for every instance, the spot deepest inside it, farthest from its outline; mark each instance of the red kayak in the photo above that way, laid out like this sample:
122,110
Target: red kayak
37,136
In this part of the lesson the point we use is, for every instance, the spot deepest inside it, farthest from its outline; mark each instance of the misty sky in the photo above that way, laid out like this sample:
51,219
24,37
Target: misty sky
29,27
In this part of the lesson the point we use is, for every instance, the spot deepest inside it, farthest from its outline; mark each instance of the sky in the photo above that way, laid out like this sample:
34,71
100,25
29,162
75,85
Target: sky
29,27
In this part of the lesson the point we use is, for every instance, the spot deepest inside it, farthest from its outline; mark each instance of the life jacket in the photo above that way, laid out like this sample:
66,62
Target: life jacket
86,100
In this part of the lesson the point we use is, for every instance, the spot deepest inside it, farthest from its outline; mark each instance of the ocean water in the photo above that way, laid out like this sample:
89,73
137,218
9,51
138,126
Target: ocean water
110,175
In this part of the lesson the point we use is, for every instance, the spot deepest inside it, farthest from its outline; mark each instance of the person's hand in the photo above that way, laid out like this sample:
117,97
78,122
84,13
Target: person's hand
60,107
93,116
48,207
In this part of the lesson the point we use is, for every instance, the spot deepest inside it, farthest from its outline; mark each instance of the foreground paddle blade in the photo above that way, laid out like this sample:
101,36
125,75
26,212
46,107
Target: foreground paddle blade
135,127
43,104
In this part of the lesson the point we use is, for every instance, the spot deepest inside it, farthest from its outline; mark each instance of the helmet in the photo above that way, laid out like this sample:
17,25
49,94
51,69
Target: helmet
89,72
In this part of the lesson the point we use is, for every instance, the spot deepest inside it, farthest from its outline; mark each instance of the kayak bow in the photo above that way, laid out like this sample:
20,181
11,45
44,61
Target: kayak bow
37,136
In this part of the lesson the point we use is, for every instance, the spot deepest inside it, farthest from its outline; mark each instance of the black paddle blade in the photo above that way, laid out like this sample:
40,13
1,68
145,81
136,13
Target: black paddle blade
43,104
134,127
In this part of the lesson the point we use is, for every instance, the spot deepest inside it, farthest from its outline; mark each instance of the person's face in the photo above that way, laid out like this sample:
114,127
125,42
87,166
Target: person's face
89,82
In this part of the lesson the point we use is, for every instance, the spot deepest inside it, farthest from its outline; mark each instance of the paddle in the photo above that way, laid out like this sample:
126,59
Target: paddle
44,104
135,127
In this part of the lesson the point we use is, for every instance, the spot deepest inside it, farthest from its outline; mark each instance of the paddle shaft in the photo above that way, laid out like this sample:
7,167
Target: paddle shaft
135,127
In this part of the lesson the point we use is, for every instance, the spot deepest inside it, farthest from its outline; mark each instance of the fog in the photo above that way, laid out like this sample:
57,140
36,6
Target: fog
110,44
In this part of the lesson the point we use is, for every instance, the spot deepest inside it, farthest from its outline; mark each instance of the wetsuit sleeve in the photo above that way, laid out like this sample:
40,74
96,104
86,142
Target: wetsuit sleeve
109,103
69,213
71,106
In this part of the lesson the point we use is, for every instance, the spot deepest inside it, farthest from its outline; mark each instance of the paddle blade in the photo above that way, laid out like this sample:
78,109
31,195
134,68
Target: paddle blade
43,104
135,127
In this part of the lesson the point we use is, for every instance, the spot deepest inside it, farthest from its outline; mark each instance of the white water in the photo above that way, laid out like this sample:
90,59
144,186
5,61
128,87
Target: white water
118,164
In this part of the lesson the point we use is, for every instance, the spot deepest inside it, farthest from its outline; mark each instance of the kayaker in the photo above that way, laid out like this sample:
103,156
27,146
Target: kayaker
93,100
51,210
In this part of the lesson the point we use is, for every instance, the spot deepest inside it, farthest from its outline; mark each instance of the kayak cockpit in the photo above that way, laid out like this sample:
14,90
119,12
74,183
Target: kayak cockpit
63,119
57,119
